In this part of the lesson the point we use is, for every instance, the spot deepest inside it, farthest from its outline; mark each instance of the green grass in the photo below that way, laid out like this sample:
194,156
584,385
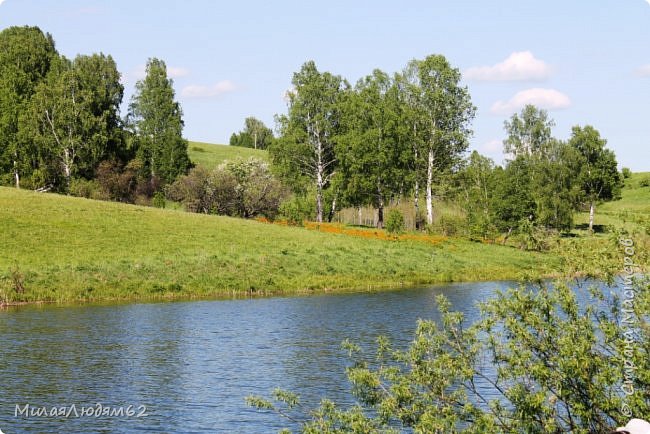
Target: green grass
63,248
209,155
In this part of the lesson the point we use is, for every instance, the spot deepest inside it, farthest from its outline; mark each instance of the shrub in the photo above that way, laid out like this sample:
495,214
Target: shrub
481,227
190,190
158,200
448,225
258,192
239,188
129,183
222,193
531,237
451,225
645,182
627,173
296,210
90,189
38,179
395,222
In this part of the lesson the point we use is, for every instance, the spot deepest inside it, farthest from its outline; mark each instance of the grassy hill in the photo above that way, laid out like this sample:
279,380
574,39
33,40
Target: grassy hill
629,212
210,155
62,248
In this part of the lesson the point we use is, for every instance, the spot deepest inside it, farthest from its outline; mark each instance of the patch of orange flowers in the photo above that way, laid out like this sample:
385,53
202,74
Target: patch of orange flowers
377,234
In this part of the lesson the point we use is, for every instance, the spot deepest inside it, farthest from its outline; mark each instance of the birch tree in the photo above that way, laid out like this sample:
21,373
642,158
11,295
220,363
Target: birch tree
448,111
529,133
74,117
305,152
598,177
412,128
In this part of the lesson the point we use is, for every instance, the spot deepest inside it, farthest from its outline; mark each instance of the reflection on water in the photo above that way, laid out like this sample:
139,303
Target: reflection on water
192,363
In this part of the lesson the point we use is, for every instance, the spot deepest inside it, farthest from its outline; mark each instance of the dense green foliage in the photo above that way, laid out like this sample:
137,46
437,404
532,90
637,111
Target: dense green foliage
60,124
156,120
26,55
73,118
255,135
304,154
544,183
395,222
370,152
372,143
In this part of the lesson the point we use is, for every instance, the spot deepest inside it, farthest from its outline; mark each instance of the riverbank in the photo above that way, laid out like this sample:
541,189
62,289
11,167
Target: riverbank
60,249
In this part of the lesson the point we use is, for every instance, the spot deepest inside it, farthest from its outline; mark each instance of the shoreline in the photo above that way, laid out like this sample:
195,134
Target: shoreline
260,294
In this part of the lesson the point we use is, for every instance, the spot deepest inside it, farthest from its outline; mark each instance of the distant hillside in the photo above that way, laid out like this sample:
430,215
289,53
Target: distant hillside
211,155
632,209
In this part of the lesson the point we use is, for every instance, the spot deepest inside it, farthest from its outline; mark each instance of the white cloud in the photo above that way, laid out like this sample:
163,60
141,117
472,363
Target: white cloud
519,66
491,147
549,99
648,1
177,71
2,1
644,71
138,73
214,91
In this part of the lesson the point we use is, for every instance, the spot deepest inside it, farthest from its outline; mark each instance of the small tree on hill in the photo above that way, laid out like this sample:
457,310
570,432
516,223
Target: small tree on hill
598,178
255,135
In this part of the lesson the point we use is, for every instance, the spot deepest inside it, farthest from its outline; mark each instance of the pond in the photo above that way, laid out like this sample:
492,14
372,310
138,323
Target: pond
189,365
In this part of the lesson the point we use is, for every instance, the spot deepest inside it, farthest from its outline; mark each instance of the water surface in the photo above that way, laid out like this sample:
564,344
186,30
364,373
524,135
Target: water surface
192,363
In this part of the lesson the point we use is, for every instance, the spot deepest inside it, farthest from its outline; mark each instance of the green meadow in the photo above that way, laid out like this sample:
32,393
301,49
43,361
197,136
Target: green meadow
61,248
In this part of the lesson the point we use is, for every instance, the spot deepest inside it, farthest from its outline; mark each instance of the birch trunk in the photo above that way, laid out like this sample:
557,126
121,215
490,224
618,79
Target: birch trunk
429,187
417,193
592,210
67,166
16,175
319,189
330,216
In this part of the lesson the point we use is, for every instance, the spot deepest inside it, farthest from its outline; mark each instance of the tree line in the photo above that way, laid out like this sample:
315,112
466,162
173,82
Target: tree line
384,137
543,181
389,137
61,129
406,135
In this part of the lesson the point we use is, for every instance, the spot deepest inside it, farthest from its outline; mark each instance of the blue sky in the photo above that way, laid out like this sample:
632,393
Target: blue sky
587,62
